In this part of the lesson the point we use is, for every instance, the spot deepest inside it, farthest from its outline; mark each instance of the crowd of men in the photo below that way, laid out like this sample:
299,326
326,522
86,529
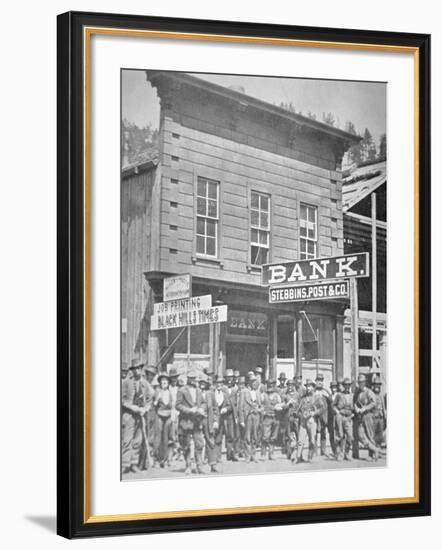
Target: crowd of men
167,417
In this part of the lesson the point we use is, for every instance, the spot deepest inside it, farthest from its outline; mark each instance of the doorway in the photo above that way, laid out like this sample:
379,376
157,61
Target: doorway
245,356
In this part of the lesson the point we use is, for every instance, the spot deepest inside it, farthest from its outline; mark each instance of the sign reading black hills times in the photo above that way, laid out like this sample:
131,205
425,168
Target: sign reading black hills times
316,269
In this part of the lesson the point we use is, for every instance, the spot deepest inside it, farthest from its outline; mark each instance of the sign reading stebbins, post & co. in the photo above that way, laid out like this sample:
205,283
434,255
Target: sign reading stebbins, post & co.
310,291
177,287
316,269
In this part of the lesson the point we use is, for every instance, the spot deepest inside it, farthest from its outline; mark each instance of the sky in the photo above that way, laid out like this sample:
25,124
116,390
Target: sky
364,103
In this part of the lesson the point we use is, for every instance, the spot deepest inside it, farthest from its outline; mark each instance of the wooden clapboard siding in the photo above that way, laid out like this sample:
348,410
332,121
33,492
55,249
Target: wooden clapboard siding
137,231
188,152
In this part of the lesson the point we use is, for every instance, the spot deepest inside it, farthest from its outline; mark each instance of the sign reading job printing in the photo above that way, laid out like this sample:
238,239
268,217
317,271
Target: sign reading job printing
317,269
177,287
185,304
308,291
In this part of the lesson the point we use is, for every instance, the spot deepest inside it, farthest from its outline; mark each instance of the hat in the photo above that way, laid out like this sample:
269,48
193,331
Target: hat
219,378
151,369
309,382
191,374
333,384
136,363
203,378
252,377
377,381
124,367
250,373
346,382
297,377
282,376
173,373
362,378
236,373
291,382
161,376
229,372
271,382
258,369
320,376
340,381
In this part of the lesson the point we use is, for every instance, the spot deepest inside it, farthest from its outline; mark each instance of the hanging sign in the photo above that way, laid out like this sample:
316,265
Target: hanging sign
177,287
186,304
194,317
317,269
309,291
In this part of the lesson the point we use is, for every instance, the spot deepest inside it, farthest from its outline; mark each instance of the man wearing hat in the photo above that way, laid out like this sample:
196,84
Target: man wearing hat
137,397
150,375
173,388
379,412
163,403
365,404
323,403
308,411
232,420
210,421
343,414
271,416
190,405
124,371
259,373
226,425
241,441
290,419
282,387
249,416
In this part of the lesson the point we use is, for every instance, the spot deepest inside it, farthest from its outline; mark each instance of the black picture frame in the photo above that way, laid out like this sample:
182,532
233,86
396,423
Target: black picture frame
72,520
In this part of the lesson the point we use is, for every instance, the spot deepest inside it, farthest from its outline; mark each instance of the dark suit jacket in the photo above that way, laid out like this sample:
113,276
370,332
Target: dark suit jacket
189,420
247,405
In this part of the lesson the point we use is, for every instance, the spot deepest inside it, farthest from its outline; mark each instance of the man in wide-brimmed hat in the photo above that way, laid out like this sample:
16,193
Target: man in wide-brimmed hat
137,396
190,405
226,421
308,411
210,421
379,412
365,403
344,411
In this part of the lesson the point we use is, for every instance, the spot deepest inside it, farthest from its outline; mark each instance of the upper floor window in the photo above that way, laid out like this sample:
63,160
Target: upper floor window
308,232
207,220
260,228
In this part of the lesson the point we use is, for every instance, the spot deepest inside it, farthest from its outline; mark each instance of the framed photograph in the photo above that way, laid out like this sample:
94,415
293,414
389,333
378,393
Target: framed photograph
243,274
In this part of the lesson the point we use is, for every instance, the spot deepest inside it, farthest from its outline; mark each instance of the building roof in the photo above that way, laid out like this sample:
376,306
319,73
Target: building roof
250,101
143,161
361,182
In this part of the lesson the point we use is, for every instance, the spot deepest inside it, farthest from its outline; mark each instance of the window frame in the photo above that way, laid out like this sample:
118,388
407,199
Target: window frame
268,230
306,238
217,219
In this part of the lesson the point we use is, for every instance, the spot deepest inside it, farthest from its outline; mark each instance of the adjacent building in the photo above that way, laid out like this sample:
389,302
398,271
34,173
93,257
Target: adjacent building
236,183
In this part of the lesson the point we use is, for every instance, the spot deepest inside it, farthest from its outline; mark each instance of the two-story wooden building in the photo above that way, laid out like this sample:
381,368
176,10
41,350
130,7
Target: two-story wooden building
238,183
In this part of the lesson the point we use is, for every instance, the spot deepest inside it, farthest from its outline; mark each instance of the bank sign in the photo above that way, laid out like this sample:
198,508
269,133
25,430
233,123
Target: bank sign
317,269
309,291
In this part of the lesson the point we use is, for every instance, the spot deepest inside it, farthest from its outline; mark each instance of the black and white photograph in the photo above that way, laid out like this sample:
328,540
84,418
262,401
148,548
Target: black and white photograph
253,274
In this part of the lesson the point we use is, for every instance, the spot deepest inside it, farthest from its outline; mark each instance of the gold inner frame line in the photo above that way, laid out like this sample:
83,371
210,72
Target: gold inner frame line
87,34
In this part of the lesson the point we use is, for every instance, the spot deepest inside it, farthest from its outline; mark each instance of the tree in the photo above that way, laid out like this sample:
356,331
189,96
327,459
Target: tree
383,147
368,147
328,118
354,154
137,140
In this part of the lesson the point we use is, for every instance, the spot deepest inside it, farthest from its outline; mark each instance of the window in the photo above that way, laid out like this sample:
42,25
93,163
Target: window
207,219
308,227
260,228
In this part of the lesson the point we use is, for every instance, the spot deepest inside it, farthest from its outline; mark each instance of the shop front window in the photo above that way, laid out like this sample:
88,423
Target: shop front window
318,336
